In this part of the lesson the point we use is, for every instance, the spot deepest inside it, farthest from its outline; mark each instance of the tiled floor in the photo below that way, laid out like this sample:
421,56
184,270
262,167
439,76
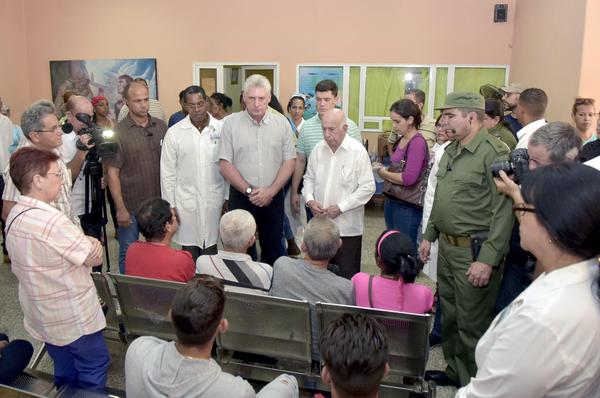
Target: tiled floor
11,317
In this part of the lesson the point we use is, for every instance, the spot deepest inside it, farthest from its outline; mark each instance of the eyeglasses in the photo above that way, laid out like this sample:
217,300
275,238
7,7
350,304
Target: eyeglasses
520,209
59,174
54,129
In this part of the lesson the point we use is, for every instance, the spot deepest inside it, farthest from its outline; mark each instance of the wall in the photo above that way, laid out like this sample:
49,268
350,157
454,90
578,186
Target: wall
180,32
547,51
589,81
14,78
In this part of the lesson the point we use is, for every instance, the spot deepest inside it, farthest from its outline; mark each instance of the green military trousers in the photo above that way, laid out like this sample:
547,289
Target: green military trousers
467,311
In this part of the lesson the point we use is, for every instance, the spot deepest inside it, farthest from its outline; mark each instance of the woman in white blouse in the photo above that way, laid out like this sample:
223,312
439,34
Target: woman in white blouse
546,343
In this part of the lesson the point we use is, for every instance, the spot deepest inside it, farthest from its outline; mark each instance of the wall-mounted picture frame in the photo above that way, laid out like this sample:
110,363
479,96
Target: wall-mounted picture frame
107,77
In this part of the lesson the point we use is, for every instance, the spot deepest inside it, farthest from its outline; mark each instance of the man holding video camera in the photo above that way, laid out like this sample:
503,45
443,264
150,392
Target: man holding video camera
75,151
473,223
554,142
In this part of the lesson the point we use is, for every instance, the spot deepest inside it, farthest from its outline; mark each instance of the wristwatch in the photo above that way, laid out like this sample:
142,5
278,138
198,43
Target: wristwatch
248,190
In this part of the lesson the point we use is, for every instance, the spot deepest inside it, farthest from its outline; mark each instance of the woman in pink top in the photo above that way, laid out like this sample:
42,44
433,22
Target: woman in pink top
394,289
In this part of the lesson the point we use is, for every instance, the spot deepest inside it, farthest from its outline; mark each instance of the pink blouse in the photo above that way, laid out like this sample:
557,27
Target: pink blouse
388,294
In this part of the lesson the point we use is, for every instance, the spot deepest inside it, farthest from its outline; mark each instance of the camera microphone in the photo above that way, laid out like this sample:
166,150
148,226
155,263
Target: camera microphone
66,127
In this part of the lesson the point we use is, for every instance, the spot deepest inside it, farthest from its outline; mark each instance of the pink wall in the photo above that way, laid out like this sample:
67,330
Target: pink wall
14,76
547,52
589,83
180,32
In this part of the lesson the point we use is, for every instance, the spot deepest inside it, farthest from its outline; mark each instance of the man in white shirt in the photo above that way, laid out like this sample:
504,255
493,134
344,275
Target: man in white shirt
337,184
530,113
189,175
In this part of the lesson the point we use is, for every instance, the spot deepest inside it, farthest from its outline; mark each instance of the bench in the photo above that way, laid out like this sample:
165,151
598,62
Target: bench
408,342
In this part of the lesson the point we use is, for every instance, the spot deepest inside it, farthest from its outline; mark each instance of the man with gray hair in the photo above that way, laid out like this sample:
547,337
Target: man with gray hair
257,158
232,264
308,278
42,130
554,142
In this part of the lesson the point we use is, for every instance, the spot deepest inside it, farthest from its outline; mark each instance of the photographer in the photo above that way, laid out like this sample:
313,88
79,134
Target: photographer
552,143
77,158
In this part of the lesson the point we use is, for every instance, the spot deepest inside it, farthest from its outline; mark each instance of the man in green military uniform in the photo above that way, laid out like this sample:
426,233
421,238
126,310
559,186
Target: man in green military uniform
466,204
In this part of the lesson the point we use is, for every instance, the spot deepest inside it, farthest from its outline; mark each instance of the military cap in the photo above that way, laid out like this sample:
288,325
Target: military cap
513,88
463,100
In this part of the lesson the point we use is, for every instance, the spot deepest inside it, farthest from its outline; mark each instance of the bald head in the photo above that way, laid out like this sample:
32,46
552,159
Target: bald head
334,128
78,104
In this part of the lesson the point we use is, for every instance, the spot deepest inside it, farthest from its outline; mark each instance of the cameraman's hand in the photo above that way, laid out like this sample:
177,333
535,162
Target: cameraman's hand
123,218
85,139
507,186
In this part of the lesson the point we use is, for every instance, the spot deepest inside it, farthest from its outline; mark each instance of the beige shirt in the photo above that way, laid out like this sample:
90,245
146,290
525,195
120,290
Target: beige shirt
257,150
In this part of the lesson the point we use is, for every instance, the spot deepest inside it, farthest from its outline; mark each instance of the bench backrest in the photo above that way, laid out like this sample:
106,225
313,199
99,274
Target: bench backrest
145,305
265,325
408,336
103,289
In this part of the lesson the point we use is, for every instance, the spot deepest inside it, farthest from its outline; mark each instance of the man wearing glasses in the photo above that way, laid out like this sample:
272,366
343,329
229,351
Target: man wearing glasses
554,142
473,223
189,175
40,126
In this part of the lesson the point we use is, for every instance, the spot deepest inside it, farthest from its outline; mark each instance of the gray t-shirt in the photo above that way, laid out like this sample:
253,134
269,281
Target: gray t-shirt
296,279
154,368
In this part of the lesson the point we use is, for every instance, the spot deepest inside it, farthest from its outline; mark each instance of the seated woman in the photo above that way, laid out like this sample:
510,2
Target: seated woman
493,121
405,177
546,343
395,289
154,258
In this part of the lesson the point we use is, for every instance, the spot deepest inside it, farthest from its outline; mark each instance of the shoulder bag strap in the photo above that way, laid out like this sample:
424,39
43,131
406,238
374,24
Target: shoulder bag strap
17,216
370,291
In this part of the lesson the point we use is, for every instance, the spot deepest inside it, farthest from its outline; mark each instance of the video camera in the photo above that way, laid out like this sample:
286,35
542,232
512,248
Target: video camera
517,164
103,139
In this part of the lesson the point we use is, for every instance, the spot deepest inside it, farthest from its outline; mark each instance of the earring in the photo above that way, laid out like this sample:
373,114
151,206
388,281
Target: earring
550,241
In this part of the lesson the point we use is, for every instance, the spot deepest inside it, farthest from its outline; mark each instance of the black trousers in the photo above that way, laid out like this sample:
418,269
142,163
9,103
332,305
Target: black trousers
269,223
94,230
348,256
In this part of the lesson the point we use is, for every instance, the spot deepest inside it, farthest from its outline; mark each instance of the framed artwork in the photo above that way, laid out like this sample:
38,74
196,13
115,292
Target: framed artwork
309,76
107,77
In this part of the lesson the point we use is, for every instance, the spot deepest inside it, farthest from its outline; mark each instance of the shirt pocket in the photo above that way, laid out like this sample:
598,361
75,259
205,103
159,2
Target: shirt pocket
348,177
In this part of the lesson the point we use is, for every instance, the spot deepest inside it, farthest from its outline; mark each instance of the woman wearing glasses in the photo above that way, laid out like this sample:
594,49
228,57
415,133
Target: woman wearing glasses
546,343
51,258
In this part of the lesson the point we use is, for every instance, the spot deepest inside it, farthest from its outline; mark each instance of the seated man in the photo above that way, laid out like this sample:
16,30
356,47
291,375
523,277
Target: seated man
184,368
354,352
239,273
154,258
308,278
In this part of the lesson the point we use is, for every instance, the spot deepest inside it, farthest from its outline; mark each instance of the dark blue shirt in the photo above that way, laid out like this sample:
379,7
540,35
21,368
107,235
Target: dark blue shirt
176,117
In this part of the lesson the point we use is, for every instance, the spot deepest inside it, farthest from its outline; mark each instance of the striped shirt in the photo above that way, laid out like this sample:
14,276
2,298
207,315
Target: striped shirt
311,133
62,202
56,292
238,272
138,159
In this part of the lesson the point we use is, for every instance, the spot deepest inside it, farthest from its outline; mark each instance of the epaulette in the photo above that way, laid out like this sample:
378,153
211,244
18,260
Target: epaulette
499,146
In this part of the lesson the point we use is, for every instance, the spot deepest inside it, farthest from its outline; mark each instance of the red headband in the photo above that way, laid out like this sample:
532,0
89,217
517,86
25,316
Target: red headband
97,99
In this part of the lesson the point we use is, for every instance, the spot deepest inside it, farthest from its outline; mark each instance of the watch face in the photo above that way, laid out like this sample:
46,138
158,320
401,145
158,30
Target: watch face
248,190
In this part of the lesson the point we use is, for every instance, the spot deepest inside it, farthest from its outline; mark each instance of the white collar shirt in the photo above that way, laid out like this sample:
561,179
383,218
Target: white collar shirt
546,343
525,133
191,182
344,178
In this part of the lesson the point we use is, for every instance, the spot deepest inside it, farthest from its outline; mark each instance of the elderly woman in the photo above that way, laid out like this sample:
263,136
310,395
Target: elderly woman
51,258
546,343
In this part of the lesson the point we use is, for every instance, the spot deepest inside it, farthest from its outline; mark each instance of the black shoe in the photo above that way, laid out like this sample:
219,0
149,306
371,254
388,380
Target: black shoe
434,339
441,378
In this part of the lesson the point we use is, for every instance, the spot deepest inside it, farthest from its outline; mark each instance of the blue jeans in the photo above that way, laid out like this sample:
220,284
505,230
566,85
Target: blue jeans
402,217
83,363
126,237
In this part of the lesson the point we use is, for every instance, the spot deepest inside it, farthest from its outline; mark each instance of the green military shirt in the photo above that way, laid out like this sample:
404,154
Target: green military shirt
503,134
466,200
